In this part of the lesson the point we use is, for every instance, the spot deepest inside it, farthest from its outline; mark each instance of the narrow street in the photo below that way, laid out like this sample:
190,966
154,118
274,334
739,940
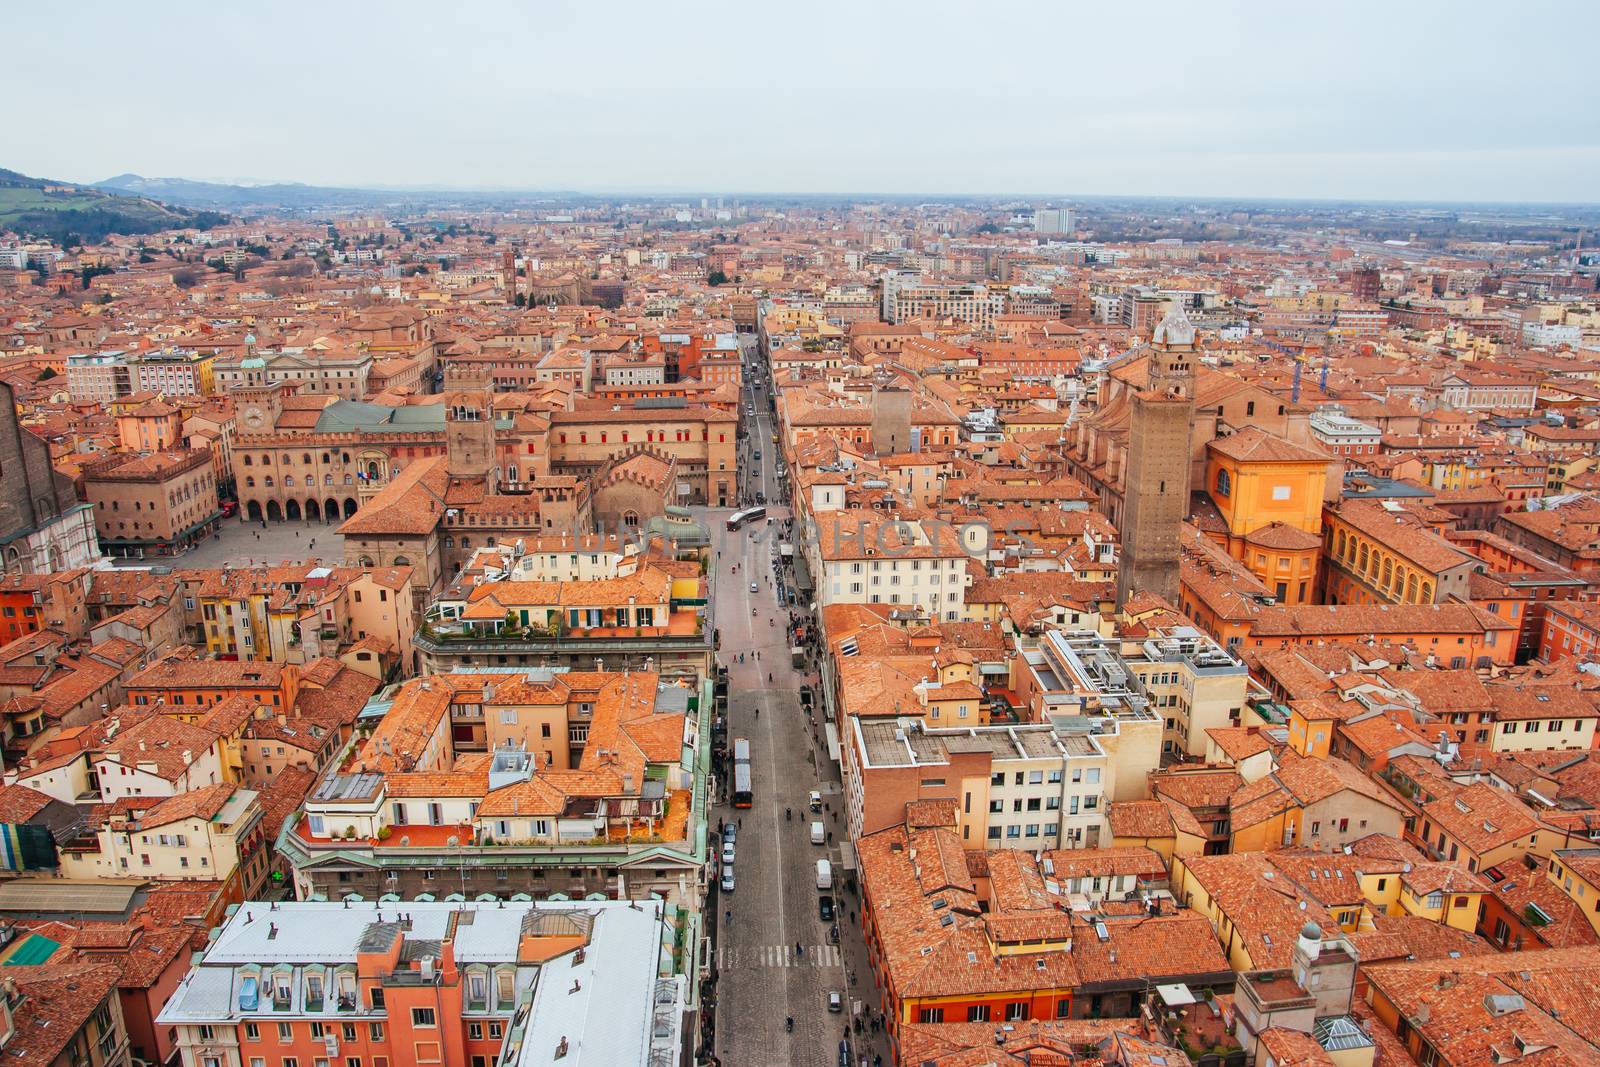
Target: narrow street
775,957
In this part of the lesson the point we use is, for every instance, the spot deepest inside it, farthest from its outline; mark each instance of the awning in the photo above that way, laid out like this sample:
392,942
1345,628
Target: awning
1175,995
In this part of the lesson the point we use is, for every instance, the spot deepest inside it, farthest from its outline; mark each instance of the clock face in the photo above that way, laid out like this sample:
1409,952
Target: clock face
253,418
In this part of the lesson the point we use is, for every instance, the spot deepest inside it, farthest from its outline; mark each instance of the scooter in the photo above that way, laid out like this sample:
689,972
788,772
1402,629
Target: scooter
788,1023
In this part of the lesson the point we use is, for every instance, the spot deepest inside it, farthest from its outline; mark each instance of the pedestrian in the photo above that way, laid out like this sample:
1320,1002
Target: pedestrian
727,916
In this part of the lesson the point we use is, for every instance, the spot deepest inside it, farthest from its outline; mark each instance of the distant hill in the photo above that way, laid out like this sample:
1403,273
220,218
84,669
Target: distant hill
219,196
293,196
44,208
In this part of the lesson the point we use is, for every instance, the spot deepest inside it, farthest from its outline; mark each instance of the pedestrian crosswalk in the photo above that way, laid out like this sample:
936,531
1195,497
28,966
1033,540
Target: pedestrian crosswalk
732,958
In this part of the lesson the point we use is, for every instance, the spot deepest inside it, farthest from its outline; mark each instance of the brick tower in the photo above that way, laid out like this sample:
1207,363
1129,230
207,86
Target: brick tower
469,434
1156,488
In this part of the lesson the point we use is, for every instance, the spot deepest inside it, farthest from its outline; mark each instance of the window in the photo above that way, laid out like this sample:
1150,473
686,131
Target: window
1016,1011
930,1015
978,1013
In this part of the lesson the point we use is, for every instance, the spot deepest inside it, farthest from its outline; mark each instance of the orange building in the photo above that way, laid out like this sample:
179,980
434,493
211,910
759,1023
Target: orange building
179,680
1268,493
1571,631
1461,635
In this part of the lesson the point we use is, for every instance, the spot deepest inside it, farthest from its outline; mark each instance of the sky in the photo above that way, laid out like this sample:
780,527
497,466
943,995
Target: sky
1401,100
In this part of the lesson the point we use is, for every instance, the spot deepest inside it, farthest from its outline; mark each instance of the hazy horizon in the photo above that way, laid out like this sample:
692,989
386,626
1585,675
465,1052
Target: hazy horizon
1413,103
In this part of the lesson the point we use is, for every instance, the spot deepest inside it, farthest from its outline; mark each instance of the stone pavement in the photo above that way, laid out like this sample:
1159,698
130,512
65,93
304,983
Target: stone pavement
245,544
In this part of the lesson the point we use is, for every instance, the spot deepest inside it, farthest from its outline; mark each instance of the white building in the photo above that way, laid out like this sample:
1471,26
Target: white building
1053,220
589,983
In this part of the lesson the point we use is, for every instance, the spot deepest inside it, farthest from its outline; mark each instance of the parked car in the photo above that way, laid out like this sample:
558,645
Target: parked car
727,879
836,1001
727,853
825,907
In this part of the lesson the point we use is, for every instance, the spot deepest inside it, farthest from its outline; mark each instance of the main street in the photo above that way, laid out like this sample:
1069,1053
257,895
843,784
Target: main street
774,954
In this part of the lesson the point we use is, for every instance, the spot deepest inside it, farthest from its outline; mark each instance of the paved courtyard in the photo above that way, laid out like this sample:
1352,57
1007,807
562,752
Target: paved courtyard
245,544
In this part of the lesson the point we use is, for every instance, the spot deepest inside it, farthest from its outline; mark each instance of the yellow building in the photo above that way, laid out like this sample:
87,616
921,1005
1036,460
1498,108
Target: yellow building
1576,871
1443,893
200,835
1269,493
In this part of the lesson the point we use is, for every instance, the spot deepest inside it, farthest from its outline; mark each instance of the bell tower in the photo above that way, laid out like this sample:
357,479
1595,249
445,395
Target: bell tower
1160,442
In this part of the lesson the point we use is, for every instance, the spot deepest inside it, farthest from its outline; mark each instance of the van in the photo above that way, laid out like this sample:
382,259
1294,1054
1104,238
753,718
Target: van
824,874
818,834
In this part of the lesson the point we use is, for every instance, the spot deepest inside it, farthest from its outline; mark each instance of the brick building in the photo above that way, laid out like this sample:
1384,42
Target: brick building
156,504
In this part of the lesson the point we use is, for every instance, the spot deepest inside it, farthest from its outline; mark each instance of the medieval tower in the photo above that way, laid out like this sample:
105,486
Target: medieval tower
1156,494
469,435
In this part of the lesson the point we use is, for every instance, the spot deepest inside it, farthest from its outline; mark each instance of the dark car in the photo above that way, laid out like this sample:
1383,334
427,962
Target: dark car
825,907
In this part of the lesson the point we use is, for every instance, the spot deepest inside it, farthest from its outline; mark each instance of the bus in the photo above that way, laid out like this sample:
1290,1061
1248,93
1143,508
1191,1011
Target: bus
739,518
742,792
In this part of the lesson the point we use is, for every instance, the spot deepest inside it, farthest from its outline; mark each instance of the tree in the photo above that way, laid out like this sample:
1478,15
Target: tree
46,374
716,277
186,278
89,274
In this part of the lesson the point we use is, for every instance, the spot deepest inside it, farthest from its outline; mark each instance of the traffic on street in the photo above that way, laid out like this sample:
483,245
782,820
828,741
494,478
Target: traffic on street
790,981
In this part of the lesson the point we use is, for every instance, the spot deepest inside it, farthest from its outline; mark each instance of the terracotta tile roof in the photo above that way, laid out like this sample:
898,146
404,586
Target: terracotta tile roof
1139,819
1238,742
57,1000
1267,910
1501,1007
1158,948
925,909
1479,816
1056,1043
1562,923
18,803
1197,789
1359,620
167,747
1314,780
201,803
1255,445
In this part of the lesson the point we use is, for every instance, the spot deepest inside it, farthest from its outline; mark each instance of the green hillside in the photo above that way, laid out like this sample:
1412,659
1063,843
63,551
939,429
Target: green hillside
38,207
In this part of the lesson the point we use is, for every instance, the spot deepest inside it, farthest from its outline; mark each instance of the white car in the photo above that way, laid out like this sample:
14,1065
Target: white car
727,854
727,879
754,588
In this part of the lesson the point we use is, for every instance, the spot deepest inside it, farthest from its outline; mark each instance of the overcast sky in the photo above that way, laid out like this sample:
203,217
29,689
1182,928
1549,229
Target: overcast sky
1408,100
